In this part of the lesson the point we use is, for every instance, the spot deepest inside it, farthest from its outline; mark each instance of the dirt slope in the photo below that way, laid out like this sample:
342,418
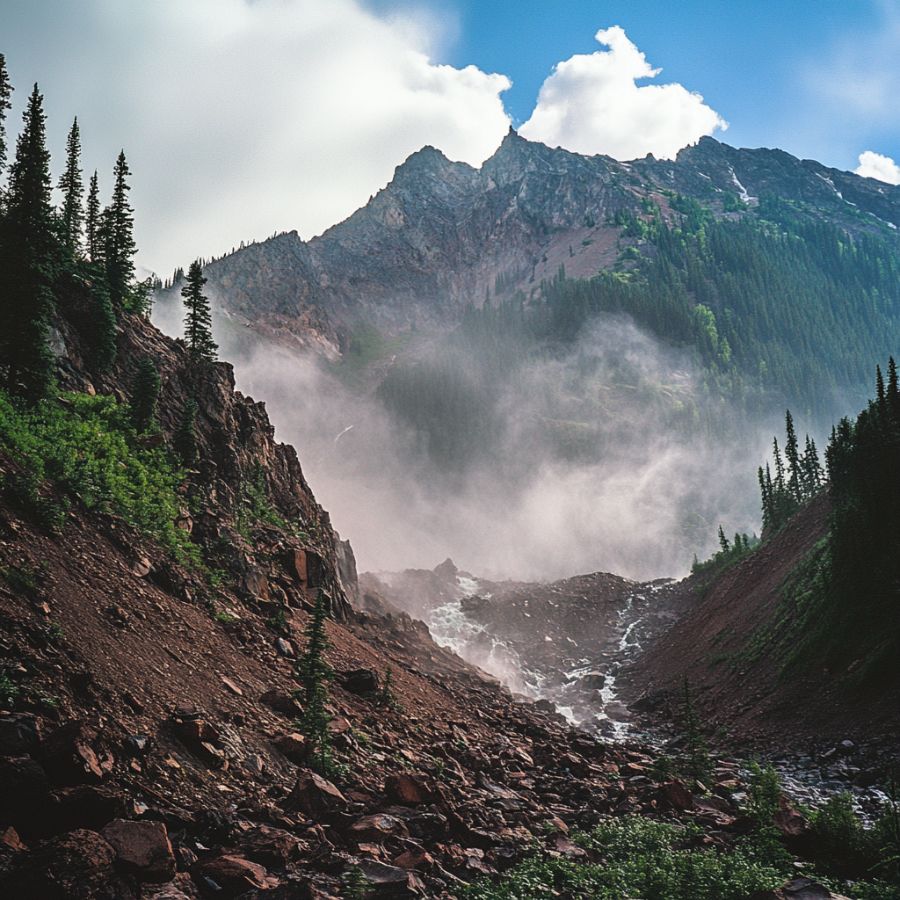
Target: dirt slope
727,644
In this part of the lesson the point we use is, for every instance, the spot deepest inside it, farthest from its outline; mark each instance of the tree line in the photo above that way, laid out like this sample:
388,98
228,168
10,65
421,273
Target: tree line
74,260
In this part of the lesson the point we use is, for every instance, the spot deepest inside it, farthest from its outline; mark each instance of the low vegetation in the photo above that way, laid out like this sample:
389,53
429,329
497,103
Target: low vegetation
86,448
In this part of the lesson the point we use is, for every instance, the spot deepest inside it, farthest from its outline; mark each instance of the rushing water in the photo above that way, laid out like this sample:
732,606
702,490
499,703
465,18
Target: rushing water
805,779
601,709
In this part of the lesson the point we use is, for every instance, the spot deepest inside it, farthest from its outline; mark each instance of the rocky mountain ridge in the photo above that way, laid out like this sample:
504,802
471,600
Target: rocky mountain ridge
442,234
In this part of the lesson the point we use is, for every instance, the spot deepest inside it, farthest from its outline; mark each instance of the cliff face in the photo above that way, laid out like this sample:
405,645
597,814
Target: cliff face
443,234
284,552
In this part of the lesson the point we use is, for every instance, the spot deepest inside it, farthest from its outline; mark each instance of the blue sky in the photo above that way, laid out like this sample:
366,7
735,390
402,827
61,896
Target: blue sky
762,64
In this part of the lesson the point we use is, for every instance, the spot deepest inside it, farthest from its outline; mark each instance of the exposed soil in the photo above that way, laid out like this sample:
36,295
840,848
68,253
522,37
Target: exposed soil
748,693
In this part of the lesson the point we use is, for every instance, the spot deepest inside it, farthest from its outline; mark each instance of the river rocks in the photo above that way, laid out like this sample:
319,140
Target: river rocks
142,848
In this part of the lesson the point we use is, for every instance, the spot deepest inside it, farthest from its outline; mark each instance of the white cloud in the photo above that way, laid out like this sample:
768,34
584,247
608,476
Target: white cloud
875,165
243,117
591,103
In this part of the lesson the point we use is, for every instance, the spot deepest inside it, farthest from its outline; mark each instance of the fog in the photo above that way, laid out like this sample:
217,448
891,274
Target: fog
601,458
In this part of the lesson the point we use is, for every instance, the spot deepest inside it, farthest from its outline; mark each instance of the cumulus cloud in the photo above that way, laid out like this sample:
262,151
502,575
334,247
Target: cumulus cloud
876,165
243,117
591,103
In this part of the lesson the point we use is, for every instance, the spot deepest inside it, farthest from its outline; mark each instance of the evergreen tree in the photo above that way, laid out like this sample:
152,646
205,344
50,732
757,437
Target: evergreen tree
197,319
723,541
184,441
118,234
314,674
792,455
811,469
698,761
144,394
71,214
93,244
30,256
6,90
99,322
386,696
893,390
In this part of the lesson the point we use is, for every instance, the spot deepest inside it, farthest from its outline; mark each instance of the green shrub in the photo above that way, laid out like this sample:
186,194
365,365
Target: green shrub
86,447
641,858
843,846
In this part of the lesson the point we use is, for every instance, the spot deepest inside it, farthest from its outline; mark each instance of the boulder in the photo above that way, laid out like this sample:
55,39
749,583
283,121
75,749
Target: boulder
377,828
78,865
70,755
408,789
24,794
269,846
19,734
293,746
315,796
142,848
799,889
363,682
283,703
89,806
230,876
399,882
675,795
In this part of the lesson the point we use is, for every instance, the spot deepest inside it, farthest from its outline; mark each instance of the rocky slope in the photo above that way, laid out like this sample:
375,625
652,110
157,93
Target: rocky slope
443,234
148,743
736,643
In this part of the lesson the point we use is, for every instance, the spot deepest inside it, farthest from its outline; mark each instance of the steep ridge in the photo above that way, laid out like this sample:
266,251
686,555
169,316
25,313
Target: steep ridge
442,234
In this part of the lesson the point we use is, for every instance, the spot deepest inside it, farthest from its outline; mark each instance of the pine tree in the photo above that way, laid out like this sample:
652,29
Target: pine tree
71,214
699,764
144,394
386,696
792,455
723,541
100,325
197,319
93,244
811,468
184,441
893,390
6,90
118,233
314,674
30,256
